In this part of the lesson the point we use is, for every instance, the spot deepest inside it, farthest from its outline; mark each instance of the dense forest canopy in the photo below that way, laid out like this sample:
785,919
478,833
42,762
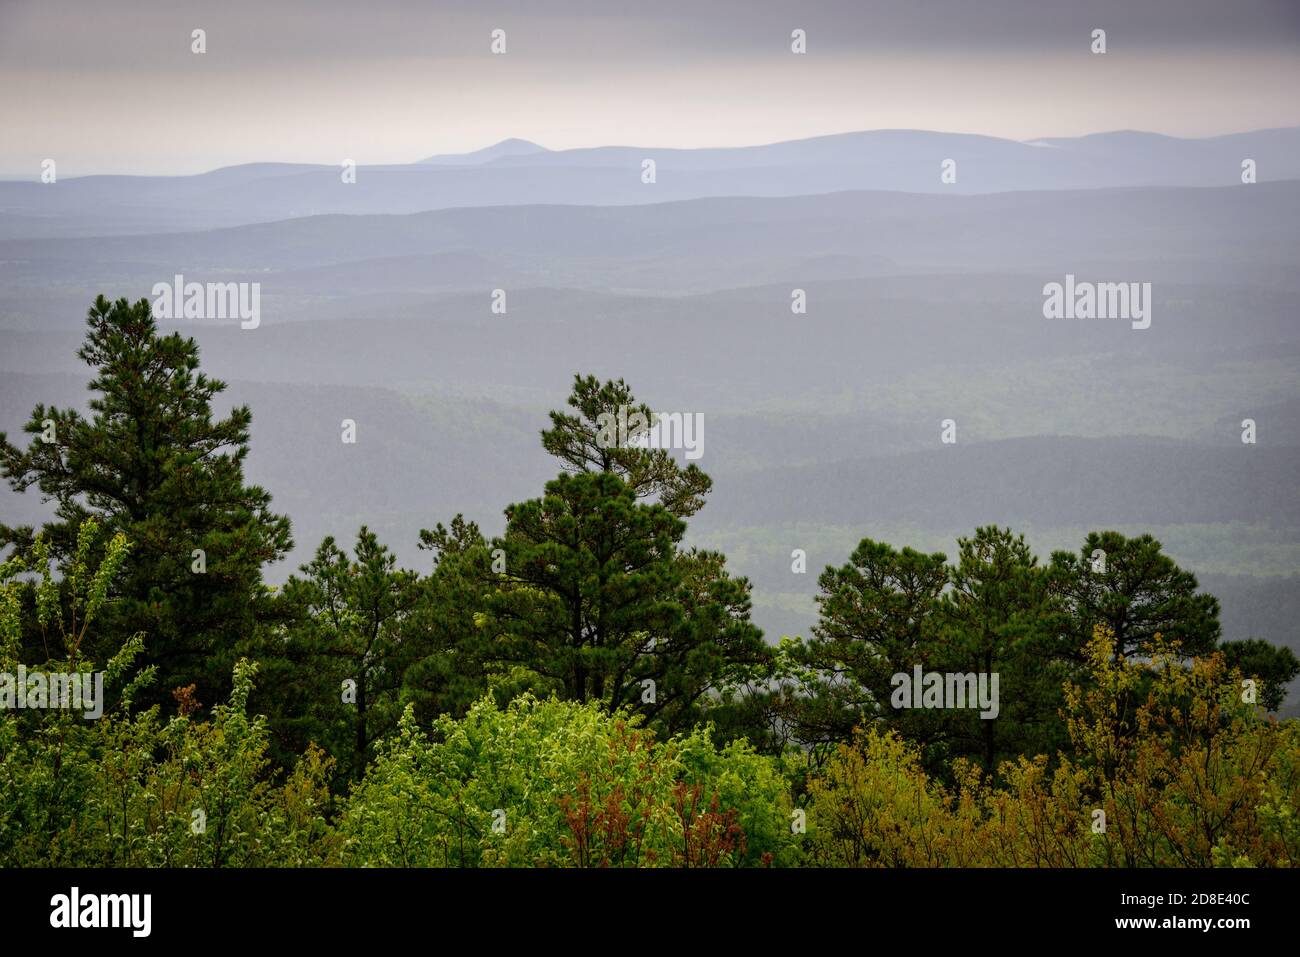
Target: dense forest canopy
585,688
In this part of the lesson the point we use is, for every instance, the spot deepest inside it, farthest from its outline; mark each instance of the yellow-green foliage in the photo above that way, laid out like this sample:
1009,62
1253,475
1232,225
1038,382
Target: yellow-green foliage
556,783
129,789
1183,772
1187,775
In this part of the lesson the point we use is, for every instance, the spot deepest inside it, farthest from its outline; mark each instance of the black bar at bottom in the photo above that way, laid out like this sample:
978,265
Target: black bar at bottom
334,907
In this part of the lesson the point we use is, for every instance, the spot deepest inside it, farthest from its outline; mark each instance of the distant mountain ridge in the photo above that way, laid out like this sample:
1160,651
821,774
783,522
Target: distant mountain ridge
505,148
519,172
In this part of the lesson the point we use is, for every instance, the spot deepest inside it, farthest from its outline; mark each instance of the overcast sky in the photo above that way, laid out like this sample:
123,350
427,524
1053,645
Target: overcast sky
113,87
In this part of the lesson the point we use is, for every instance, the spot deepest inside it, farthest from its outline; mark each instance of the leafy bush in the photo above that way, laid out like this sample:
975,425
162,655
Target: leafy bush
1168,765
1184,771
558,783
129,789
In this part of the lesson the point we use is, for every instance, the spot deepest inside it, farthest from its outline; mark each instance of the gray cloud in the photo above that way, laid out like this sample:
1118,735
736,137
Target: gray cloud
116,88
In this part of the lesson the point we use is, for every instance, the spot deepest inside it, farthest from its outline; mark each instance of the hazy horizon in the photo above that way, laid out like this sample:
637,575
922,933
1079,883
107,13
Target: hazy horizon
545,146
119,90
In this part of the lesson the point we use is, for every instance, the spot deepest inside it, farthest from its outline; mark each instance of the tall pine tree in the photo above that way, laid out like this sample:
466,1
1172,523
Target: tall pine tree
151,461
590,593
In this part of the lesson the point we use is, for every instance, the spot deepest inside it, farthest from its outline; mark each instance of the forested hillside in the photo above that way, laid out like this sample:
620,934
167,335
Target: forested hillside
584,686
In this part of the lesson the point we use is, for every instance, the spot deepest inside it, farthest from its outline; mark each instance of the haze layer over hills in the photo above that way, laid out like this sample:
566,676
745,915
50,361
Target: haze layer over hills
924,302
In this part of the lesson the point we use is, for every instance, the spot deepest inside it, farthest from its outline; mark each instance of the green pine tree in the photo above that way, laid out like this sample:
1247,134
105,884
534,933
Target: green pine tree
346,651
152,462
1132,588
591,595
